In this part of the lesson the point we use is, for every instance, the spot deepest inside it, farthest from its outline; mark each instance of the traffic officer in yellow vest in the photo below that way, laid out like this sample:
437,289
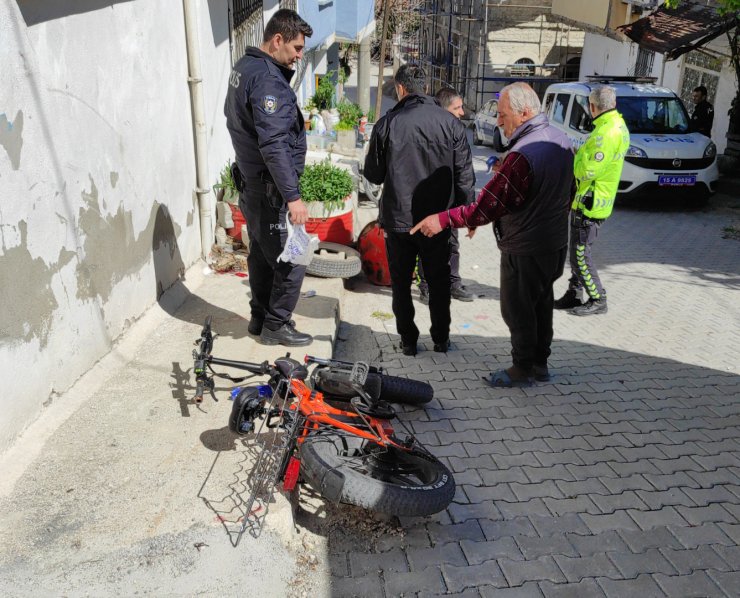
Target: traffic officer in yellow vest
597,169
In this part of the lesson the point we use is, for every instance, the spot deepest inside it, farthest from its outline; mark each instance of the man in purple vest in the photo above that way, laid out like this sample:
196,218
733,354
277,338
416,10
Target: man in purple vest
527,200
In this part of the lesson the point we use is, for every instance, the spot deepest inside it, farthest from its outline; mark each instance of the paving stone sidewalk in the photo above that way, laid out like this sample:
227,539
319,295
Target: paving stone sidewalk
621,477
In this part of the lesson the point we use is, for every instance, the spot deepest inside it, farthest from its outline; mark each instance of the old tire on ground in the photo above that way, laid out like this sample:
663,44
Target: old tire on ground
332,260
386,480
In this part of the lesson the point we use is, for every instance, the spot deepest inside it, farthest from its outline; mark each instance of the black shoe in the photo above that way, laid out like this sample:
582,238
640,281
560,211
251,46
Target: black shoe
424,295
285,335
408,348
590,308
570,300
442,347
461,294
255,326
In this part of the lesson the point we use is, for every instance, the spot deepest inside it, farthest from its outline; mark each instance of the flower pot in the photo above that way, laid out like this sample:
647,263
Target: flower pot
334,226
235,232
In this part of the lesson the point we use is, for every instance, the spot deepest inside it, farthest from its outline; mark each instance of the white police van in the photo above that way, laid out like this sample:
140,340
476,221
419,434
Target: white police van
663,155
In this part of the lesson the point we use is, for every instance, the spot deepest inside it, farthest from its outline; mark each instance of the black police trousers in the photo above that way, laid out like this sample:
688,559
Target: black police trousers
434,252
526,303
275,285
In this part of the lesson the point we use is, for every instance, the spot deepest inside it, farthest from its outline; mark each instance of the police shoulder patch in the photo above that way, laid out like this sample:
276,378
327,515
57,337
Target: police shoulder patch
269,104
599,156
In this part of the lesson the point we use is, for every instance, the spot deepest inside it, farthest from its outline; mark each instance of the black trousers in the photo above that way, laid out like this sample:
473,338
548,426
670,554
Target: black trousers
455,280
526,303
275,286
434,252
583,274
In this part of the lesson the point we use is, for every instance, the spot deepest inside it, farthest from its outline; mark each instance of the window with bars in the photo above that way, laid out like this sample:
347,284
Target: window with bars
245,26
644,63
699,68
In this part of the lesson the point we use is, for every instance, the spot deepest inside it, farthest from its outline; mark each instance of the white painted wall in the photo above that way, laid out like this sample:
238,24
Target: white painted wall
97,210
605,56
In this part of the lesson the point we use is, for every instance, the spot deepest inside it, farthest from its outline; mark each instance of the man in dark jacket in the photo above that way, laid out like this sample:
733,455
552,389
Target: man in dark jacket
528,200
703,115
421,154
269,139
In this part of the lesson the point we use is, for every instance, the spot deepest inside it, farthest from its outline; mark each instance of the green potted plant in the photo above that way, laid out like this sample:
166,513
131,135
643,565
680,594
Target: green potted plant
327,191
349,119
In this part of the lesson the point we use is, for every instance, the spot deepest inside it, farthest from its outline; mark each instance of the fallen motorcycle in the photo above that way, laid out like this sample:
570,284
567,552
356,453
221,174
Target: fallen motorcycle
335,433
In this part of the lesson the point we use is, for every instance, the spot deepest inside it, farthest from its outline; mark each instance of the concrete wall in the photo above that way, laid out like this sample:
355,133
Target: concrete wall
605,56
323,20
97,211
594,12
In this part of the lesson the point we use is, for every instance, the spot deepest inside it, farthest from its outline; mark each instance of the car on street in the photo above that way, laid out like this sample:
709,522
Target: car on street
484,123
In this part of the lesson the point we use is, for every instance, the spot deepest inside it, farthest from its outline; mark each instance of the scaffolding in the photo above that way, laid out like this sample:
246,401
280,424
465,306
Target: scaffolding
452,40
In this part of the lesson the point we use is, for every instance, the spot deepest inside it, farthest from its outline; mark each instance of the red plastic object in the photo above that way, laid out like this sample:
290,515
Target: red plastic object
238,218
291,474
334,229
371,246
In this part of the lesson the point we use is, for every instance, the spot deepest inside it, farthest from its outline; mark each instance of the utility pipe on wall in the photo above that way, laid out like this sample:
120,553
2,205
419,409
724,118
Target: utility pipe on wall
195,82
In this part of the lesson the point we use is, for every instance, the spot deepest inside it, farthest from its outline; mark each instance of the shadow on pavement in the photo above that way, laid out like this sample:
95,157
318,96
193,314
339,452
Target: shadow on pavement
630,237
584,478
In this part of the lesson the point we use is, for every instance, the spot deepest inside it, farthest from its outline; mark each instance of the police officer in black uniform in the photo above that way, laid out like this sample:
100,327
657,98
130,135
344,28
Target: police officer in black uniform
269,138
703,115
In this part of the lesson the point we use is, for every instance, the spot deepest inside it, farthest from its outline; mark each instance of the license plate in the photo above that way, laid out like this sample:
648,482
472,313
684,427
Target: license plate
670,180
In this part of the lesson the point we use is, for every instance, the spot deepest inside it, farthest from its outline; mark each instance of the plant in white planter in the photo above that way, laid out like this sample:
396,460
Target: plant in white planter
327,191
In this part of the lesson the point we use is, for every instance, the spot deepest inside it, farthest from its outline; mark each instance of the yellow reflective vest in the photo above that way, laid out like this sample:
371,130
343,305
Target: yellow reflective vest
598,165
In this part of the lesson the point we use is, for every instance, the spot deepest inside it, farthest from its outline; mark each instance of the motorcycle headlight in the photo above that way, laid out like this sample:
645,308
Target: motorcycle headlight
635,152
711,150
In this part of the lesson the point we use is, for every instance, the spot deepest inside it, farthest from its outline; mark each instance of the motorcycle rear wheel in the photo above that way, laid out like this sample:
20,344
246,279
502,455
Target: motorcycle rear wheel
387,480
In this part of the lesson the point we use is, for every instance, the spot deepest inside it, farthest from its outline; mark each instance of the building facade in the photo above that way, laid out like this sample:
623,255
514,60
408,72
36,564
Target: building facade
478,46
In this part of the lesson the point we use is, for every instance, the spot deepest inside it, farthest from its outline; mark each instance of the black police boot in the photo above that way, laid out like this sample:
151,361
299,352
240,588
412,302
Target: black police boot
590,308
570,300
255,326
461,294
285,335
